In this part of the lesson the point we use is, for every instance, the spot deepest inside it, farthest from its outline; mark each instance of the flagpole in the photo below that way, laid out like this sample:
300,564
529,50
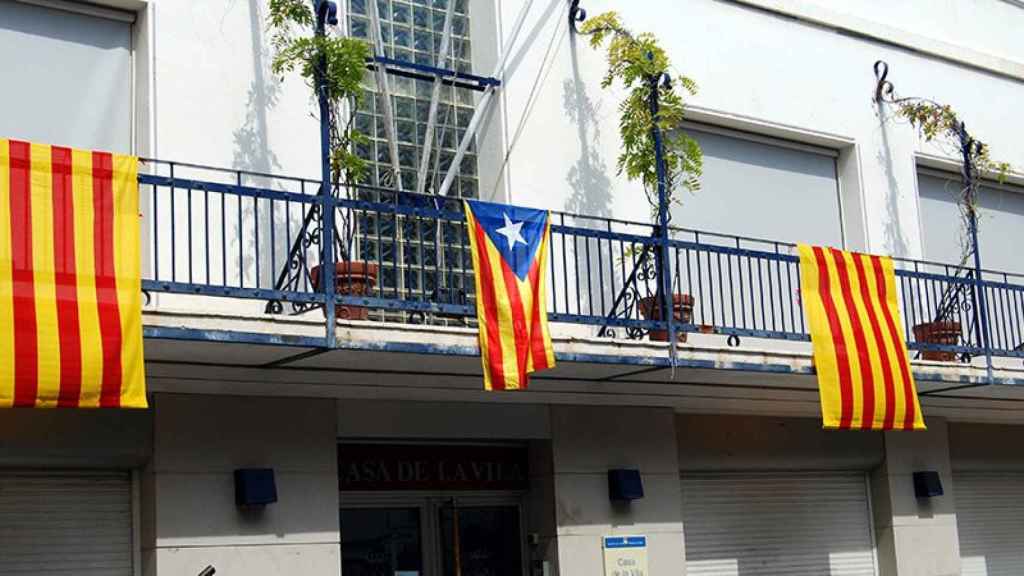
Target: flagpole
455,538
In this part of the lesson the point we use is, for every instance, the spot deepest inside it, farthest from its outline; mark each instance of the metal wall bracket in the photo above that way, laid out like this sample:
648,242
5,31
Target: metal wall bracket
576,15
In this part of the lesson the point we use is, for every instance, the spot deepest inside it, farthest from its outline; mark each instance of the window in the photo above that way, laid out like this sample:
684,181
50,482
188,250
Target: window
1000,221
763,188
418,257
411,32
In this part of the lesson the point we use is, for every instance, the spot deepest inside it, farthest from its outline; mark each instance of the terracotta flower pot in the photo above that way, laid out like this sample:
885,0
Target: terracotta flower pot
682,312
350,279
947,333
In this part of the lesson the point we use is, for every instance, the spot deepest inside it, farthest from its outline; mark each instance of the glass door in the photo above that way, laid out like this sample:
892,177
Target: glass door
381,542
480,540
425,535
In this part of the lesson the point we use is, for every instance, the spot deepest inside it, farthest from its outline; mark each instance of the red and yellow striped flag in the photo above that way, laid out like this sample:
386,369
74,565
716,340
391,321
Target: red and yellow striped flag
70,284
860,351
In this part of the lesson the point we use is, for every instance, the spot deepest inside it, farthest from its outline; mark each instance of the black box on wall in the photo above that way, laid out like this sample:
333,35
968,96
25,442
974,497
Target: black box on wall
255,487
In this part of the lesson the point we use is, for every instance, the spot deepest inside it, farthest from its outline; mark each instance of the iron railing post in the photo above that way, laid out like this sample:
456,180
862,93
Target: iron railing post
663,267
981,325
327,268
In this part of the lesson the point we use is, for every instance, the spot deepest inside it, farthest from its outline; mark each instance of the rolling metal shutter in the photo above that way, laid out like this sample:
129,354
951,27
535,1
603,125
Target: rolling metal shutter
1000,214
792,524
65,524
761,187
990,521
67,77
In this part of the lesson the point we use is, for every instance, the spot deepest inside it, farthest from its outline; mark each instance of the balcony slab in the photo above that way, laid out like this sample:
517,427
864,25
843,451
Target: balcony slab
275,355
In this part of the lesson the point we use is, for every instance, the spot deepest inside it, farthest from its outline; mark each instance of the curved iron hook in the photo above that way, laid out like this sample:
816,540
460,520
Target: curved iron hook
883,89
576,15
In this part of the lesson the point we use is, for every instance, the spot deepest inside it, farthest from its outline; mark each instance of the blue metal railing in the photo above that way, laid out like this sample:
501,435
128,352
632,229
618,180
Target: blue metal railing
245,235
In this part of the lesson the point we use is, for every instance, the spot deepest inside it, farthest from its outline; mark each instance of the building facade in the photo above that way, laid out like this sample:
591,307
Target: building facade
387,455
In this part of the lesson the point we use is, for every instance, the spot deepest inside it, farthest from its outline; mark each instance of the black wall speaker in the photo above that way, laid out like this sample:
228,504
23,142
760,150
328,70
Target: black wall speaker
927,484
255,487
625,485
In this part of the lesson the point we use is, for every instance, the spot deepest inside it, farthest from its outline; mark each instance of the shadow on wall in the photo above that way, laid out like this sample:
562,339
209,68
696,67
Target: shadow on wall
895,242
588,177
591,194
252,151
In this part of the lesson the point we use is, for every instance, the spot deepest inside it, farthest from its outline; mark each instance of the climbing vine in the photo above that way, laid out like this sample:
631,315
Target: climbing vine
941,124
633,60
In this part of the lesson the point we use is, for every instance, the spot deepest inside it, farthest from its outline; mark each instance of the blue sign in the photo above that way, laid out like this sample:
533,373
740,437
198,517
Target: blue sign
625,541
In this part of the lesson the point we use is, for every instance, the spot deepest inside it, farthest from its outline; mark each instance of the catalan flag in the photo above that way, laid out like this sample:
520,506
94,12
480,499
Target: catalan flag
70,288
510,253
860,350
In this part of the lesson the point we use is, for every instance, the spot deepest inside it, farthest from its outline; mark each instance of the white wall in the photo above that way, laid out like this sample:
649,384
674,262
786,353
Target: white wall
987,26
189,515
213,100
586,443
916,536
716,443
76,438
442,420
985,447
761,72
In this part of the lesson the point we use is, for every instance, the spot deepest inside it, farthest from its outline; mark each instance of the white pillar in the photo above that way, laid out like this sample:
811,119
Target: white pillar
916,537
190,519
586,443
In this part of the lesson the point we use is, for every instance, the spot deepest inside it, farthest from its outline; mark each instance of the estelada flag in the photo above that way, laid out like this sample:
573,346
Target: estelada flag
510,253
860,350
70,284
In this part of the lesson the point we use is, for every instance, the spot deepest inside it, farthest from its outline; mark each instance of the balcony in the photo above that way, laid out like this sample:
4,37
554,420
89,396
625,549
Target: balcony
247,246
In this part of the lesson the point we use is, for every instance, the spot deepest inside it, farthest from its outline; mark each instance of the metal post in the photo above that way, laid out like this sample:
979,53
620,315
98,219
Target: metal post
435,97
327,271
966,144
663,261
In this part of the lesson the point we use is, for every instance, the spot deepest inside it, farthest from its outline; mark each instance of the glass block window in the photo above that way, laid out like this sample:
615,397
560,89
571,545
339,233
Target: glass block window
411,31
419,258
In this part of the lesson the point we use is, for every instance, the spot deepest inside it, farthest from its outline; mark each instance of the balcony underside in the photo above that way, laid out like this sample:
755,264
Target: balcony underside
224,354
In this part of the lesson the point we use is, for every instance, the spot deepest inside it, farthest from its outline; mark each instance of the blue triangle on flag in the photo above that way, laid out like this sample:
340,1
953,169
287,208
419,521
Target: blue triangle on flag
515,231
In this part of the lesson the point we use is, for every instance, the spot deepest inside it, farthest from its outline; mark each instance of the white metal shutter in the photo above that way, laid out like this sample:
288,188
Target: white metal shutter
65,524
66,78
1000,218
786,524
763,188
990,520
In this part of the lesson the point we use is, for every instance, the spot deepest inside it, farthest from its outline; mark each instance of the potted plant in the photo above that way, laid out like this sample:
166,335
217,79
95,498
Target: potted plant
634,60
339,62
940,124
682,311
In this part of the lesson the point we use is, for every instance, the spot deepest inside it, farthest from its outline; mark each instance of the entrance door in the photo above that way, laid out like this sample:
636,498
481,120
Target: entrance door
432,536
381,542
480,541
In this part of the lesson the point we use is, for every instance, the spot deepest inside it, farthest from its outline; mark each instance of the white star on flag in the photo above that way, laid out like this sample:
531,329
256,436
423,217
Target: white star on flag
511,232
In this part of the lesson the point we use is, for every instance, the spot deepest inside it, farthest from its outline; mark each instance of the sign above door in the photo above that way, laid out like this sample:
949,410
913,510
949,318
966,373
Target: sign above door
431,467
